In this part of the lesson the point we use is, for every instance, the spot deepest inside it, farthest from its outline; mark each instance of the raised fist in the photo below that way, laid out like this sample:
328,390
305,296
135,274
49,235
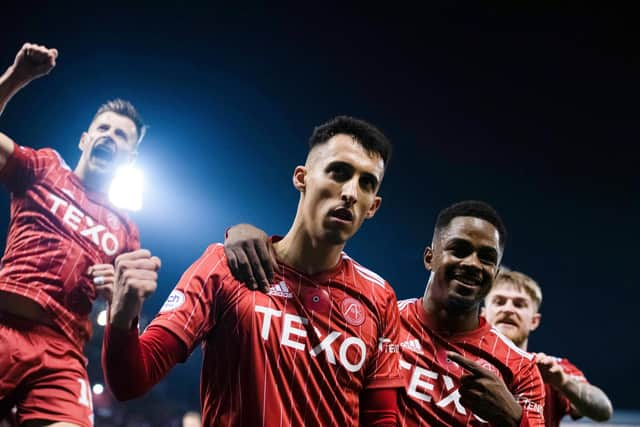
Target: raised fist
135,279
33,61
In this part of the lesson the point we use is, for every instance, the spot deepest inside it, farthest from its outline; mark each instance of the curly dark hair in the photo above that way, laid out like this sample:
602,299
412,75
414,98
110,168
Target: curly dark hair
474,208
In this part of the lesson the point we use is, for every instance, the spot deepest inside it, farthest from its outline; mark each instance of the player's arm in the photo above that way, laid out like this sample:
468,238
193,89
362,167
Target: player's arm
586,399
133,364
379,399
379,407
31,62
250,256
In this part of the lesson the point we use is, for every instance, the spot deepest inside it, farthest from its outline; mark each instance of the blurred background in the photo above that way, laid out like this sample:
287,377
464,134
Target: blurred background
532,107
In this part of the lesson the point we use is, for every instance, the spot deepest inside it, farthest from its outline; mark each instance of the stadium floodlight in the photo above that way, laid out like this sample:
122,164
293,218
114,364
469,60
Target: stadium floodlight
102,318
126,189
97,388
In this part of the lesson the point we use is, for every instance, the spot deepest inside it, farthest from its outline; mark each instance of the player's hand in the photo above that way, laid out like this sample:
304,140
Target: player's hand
136,276
551,371
485,394
250,256
33,61
103,277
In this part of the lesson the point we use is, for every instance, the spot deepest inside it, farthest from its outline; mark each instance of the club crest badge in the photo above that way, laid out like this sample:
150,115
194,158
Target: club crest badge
353,311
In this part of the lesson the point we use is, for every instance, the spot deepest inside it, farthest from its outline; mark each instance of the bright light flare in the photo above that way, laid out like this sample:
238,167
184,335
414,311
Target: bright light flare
126,189
102,318
98,388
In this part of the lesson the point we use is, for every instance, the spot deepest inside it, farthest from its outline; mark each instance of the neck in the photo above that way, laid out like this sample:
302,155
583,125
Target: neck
449,320
305,253
524,344
89,180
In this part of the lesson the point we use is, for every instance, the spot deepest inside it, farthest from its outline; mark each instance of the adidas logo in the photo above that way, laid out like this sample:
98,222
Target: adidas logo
413,345
280,290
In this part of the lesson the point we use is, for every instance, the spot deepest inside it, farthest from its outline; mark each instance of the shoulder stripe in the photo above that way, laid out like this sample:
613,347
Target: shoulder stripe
369,275
512,346
365,272
402,304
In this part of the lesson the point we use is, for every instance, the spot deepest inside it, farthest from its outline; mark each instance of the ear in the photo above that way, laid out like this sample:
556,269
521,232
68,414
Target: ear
428,258
84,138
374,207
483,311
300,178
535,321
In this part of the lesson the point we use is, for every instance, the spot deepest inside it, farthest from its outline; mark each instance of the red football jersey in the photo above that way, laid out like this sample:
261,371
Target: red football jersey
297,356
58,230
556,405
431,396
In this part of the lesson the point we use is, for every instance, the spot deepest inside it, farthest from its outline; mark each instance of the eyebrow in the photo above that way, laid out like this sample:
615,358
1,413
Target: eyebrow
460,240
122,133
514,298
352,169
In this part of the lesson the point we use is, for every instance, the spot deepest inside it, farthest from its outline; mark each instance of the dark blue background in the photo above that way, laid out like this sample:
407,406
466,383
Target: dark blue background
533,108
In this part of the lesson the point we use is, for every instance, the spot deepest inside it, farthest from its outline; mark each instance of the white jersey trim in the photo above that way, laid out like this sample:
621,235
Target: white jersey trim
404,303
366,273
512,346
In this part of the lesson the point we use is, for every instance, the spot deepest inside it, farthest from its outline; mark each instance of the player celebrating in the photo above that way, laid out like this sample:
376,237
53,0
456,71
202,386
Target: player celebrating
458,370
63,237
320,348
512,307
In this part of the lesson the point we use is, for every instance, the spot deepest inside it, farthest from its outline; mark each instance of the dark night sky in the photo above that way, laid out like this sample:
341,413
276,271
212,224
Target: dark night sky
533,109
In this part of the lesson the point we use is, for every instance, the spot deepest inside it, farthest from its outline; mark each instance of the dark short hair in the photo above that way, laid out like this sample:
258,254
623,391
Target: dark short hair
476,209
124,108
370,137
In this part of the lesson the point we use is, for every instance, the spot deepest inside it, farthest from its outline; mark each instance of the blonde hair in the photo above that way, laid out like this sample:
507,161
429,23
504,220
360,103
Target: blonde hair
521,282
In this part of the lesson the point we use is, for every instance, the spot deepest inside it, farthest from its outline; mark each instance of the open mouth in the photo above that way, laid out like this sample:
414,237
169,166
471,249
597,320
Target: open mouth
104,151
507,321
343,214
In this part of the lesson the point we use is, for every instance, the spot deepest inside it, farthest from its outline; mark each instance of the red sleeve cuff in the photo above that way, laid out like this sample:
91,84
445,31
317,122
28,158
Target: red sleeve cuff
379,407
132,364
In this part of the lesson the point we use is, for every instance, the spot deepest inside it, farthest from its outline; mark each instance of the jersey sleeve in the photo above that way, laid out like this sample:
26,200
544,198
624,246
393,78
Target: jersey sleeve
572,370
192,308
528,388
26,165
383,370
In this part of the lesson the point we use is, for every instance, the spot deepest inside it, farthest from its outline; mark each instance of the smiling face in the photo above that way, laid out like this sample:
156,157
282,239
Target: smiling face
463,262
110,142
512,311
339,186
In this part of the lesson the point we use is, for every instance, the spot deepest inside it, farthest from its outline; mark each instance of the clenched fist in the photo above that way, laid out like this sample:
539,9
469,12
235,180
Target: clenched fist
136,275
33,61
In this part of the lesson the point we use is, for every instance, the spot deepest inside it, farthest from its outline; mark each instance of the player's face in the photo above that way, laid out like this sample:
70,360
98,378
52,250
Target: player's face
464,261
110,142
339,186
512,311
